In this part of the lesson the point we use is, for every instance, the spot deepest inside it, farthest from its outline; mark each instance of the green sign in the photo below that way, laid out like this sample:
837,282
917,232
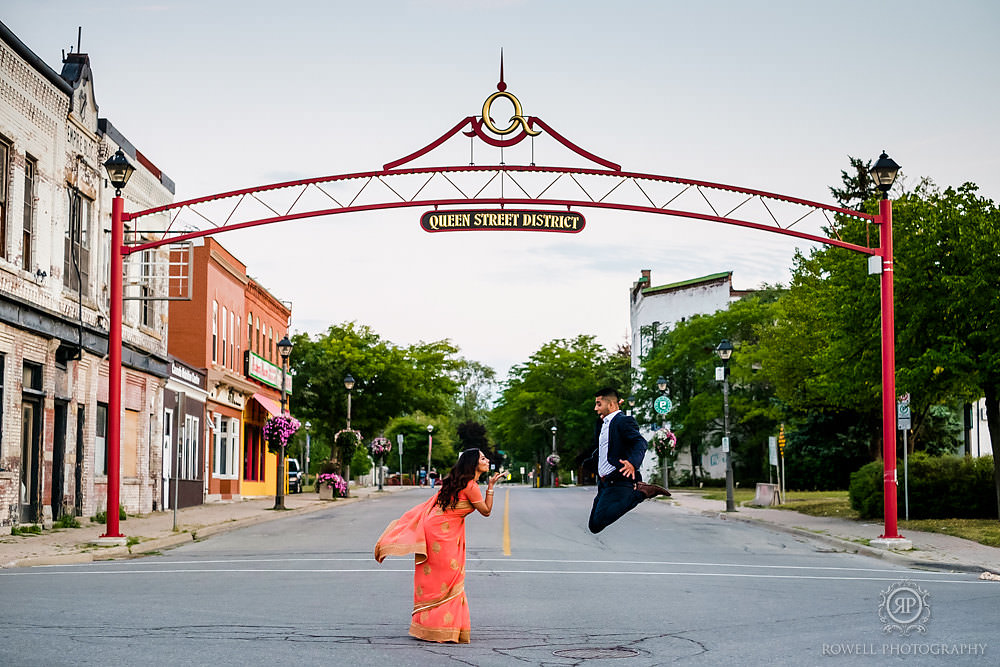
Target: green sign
662,405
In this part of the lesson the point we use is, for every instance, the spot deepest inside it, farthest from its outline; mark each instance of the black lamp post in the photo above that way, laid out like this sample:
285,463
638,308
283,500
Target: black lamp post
430,448
308,426
554,457
348,385
725,350
285,350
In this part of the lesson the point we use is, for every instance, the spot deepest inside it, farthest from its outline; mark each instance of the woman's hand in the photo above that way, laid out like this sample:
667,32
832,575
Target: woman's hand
494,479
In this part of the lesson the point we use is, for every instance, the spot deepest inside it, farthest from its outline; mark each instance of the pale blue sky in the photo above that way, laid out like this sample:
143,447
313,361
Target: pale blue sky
766,95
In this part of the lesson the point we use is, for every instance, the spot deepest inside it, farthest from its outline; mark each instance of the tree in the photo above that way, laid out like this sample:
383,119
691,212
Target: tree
389,380
686,358
555,387
476,383
413,428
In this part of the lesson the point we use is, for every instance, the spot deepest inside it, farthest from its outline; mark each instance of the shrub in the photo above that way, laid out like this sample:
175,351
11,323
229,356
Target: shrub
102,517
66,521
940,487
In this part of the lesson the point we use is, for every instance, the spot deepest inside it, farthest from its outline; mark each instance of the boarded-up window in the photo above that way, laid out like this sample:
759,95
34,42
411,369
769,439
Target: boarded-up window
130,444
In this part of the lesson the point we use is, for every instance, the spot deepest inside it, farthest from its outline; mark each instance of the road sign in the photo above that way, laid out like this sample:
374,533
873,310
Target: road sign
903,418
772,451
662,405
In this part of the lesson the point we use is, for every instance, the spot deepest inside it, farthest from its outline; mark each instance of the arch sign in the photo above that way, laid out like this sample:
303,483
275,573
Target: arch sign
502,195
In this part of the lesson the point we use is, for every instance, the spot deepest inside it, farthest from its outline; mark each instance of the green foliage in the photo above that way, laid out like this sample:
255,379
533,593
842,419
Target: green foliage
823,449
67,520
361,463
390,381
476,383
102,517
30,529
555,387
941,487
413,428
686,357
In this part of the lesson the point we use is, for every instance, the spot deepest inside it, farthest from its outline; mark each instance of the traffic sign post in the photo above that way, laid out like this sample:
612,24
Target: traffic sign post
399,441
904,424
781,471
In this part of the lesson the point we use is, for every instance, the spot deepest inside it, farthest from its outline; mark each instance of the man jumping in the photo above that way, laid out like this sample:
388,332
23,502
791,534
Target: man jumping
618,453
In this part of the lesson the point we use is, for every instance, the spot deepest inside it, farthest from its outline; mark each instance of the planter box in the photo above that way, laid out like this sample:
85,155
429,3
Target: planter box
326,492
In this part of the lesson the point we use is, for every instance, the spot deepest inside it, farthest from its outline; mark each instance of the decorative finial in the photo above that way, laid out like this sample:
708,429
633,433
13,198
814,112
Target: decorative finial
501,86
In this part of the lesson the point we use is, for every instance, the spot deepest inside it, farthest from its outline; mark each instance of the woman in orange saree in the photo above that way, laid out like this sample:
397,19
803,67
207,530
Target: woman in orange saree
434,532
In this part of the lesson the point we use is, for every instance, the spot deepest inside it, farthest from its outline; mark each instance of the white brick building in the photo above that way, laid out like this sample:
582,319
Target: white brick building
55,207
659,309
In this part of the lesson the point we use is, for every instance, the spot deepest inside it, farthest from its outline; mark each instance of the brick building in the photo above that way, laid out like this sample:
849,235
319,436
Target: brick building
54,260
231,328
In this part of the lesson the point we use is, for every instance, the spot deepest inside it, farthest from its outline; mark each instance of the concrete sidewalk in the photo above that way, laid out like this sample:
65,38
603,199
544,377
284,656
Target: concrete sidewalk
153,532
930,550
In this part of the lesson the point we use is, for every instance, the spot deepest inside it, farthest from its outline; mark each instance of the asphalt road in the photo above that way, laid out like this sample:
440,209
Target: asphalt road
659,587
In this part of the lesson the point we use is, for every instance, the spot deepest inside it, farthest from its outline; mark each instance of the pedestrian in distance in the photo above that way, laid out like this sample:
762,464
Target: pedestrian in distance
433,476
618,452
434,532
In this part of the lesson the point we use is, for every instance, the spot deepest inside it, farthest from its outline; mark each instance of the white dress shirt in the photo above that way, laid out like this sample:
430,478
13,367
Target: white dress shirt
603,467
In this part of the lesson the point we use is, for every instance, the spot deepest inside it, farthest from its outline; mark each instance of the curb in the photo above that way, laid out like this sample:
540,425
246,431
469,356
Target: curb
848,546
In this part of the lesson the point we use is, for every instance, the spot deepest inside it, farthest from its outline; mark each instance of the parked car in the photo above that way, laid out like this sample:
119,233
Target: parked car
294,475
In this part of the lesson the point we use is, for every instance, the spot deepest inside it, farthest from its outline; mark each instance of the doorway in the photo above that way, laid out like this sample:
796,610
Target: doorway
58,459
168,434
78,468
31,489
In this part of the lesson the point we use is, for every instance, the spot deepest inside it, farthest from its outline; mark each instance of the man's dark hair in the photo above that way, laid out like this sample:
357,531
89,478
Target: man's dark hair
608,392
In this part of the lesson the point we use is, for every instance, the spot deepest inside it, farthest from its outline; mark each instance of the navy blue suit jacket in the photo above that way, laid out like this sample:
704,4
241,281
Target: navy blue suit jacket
624,442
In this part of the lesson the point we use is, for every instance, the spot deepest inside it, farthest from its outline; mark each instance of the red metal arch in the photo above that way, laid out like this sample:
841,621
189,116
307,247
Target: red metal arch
607,188
376,190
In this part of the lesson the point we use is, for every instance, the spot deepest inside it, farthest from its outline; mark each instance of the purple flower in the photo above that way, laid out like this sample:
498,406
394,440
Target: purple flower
379,447
277,430
335,482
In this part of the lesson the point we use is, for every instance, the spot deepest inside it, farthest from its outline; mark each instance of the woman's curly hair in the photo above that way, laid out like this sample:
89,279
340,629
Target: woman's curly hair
458,478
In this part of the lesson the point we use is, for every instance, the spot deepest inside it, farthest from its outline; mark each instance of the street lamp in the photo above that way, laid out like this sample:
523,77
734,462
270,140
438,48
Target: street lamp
119,170
884,173
285,350
554,458
725,350
430,442
308,426
348,385
631,405
661,385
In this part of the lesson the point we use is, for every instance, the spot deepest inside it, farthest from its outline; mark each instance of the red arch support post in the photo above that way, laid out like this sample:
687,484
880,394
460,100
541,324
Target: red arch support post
890,536
114,435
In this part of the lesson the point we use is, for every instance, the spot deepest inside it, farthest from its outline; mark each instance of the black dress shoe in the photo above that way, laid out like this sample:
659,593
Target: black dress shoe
651,490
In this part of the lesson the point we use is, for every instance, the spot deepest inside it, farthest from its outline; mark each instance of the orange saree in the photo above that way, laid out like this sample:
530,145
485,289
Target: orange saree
437,540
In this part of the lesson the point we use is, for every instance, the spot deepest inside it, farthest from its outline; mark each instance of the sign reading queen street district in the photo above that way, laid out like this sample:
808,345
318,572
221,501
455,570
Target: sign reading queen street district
567,222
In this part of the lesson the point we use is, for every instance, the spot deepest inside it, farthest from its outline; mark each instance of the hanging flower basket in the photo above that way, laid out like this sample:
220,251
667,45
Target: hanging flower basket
553,460
665,444
347,440
278,430
379,447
